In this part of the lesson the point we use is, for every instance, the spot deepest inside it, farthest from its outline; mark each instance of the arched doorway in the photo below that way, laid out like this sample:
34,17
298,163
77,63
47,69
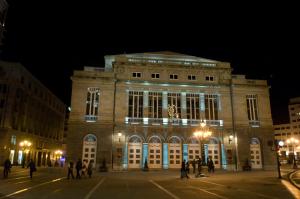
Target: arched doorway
89,149
255,154
175,154
155,152
214,151
134,152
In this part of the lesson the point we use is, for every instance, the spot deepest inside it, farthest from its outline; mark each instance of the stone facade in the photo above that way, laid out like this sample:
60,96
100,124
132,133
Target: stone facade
132,123
28,111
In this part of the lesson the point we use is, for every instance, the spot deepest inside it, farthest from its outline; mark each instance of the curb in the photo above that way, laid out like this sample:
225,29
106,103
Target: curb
290,175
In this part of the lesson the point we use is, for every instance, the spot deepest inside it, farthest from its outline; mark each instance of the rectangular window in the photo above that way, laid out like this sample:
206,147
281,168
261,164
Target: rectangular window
191,77
252,107
209,78
193,106
173,76
155,105
211,107
135,106
92,101
174,104
155,75
136,74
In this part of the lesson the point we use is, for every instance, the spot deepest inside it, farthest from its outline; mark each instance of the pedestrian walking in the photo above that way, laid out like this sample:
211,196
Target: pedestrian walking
183,172
199,164
32,167
7,166
187,167
70,170
90,169
194,165
211,166
84,168
78,168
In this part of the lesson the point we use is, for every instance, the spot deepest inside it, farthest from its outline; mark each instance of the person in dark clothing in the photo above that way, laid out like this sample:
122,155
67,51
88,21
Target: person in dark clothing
199,162
194,165
78,168
32,167
90,169
187,167
70,169
183,170
211,166
7,166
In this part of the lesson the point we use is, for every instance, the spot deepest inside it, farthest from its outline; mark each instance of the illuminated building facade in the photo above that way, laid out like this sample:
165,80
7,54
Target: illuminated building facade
290,130
148,106
31,117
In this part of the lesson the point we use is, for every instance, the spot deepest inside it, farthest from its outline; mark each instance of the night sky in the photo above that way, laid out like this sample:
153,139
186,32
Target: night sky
52,39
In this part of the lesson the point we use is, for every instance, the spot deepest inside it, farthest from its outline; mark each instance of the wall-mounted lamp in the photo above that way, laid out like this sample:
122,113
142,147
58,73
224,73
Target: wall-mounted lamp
230,138
119,135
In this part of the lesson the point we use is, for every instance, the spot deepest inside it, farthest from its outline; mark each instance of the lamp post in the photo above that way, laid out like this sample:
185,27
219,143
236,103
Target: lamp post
293,141
58,154
201,135
25,145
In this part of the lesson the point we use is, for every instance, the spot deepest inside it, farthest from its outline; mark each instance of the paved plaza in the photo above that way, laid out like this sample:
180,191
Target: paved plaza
52,183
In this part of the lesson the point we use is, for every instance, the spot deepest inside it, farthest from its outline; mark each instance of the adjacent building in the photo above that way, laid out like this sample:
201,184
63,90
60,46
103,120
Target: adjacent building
284,132
31,117
150,107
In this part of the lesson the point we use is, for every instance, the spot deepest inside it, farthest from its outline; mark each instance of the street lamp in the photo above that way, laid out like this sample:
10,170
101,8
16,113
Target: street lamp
201,135
25,145
230,138
293,141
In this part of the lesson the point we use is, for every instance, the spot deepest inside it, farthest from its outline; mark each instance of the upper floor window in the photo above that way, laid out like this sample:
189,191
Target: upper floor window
193,106
252,107
155,75
209,78
135,106
136,74
155,105
174,101
191,77
92,101
173,76
13,140
211,107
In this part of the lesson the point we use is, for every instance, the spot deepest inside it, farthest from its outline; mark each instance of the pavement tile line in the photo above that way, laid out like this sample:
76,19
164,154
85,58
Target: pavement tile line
94,189
290,177
163,189
211,193
29,188
243,190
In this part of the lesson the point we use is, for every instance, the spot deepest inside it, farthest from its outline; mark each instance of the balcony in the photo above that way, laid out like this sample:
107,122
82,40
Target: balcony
207,122
133,120
155,121
254,123
90,118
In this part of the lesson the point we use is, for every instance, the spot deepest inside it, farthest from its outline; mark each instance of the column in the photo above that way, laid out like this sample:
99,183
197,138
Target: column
223,156
125,156
202,106
185,152
145,154
145,104
165,107
183,108
165,155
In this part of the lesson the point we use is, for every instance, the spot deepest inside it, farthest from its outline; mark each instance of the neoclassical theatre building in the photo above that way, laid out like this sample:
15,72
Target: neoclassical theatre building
147,107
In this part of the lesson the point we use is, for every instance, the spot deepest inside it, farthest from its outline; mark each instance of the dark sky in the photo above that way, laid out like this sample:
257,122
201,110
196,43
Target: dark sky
52,39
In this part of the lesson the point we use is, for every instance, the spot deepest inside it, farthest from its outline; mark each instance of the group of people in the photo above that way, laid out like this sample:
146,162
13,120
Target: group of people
185,167
82,168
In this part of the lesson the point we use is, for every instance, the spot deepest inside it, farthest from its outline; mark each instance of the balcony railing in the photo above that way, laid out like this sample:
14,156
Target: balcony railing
90,118
207,122
155,121
133,120
254,123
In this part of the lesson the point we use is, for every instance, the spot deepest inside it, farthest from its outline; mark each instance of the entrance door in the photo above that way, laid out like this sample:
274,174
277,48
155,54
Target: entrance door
175,154
155,153
134,155
255,156
214,154
194,152
89,149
